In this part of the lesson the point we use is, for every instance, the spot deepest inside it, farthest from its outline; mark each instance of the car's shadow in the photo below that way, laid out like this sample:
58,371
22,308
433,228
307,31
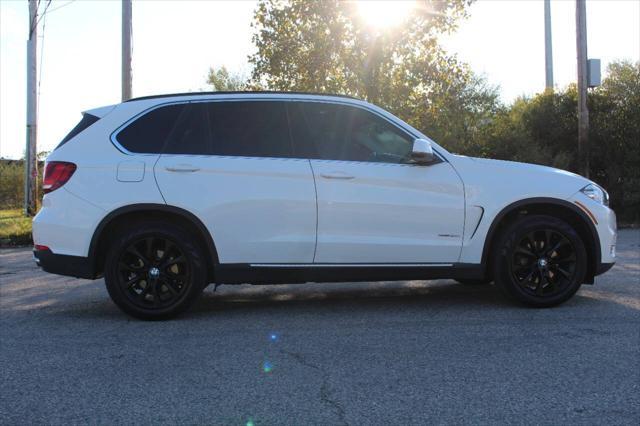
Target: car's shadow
398,295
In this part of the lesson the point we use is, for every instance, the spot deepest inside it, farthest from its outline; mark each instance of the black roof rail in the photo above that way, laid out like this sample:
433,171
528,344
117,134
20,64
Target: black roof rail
240,92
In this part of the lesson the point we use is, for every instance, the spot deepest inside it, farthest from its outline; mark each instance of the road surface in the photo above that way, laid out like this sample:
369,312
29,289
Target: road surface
420,352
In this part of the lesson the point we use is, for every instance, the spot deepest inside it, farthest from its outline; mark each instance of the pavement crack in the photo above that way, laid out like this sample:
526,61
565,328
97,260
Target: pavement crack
326,396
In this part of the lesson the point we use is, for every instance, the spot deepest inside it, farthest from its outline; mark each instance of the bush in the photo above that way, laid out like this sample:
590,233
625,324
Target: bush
11,184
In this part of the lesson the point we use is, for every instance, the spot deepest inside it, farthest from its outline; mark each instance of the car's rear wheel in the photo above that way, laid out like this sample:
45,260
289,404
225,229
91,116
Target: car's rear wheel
540,261
154,270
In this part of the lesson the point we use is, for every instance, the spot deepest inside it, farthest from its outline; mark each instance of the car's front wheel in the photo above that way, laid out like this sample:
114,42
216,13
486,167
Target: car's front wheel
540,261
154,270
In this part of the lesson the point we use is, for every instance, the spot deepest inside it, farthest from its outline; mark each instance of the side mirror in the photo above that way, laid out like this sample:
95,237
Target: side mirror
422,152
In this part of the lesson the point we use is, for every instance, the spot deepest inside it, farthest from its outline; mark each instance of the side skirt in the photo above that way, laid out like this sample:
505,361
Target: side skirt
241,273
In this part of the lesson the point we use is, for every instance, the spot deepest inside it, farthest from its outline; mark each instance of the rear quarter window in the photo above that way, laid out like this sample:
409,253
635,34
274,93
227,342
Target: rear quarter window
148,133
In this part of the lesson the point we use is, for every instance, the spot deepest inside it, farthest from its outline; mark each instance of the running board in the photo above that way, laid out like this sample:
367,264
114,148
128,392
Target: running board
279,273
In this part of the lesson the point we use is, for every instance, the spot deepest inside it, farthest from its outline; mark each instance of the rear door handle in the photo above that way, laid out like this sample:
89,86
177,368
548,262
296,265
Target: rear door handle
336,175
182,168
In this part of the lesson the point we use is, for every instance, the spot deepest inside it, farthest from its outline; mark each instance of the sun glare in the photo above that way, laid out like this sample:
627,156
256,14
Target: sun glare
383,14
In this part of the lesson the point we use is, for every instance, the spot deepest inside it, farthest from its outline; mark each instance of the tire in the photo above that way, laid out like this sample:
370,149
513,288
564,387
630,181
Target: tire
154,270
539,261
466,281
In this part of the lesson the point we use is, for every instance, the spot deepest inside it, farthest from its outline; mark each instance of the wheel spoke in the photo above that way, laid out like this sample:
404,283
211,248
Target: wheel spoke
129,268
568,258
540,285
564,273
169,286
552,282
559,244
133,280
526,252
173,261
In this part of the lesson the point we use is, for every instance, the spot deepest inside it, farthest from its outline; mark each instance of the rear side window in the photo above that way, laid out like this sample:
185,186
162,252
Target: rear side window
191,134
249,129
148,133
86,121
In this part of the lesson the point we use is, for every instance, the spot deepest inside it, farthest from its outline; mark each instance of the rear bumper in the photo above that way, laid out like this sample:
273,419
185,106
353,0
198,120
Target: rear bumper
62,264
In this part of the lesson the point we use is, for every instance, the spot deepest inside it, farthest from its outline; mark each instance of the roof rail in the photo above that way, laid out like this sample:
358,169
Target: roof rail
246,92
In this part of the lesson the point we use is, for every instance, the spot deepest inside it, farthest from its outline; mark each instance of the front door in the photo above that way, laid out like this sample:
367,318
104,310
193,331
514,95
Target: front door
374,205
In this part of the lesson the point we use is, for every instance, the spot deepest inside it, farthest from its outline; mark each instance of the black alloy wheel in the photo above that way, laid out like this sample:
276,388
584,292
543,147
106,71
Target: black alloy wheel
539,260
544,262
154,270
153,273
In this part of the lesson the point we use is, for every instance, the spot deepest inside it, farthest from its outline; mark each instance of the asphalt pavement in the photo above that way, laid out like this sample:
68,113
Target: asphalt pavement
418,352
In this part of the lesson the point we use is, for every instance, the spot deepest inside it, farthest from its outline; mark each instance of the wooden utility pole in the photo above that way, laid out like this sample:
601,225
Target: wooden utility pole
583,111
31,157
126,49
548,50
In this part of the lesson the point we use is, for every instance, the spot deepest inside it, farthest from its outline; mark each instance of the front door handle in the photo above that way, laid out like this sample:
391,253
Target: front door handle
182,168
336,175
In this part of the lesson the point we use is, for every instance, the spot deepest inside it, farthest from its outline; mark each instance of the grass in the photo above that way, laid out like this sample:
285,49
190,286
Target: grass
15,229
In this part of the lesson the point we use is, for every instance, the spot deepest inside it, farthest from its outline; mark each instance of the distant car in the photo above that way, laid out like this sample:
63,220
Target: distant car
164,195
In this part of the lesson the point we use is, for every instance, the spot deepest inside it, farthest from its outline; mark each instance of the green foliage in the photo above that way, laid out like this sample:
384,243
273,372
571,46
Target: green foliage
222,80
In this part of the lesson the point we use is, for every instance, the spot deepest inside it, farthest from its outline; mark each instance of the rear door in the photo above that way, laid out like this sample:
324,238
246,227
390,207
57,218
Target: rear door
230,163
374,205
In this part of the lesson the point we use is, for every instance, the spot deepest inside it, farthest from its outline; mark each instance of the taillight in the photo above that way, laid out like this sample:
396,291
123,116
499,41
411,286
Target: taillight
56,174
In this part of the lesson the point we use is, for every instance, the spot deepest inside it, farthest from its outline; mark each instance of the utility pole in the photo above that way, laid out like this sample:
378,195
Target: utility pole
31,157
126,49
583,111
548,51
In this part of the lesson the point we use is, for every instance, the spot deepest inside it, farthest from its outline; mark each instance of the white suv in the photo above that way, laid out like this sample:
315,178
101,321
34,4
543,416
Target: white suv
165,194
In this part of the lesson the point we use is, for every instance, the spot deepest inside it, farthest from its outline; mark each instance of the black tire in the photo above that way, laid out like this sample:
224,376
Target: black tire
154,270
467,281
539,260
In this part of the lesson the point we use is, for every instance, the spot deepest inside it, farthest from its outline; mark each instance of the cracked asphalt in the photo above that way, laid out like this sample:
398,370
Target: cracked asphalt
419,352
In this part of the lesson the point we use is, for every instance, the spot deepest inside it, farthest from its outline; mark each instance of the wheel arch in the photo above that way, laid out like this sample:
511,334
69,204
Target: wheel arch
561,209
121,215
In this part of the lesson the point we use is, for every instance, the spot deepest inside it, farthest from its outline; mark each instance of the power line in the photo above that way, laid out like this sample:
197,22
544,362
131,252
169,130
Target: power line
62,5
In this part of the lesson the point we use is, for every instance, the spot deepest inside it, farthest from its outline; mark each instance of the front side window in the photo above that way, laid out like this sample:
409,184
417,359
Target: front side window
341,132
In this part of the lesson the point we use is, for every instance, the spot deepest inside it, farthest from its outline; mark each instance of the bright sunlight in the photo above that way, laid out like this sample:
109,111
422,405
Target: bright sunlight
383,14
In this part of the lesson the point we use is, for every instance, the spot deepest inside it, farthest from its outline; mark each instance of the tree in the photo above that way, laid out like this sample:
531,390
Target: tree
222,80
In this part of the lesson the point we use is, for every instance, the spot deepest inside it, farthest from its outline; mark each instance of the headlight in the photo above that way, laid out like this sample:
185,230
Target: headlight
596,193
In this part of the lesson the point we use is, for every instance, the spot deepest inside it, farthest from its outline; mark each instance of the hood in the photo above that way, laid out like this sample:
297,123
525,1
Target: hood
524,167
522,179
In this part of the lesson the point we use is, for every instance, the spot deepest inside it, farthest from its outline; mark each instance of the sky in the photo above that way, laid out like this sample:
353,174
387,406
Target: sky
175,43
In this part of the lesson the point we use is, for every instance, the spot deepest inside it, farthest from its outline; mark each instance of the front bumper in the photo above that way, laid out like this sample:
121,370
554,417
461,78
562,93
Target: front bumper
62,264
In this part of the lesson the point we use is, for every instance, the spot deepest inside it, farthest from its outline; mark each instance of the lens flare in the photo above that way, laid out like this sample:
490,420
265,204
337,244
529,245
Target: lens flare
273,337
267,367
